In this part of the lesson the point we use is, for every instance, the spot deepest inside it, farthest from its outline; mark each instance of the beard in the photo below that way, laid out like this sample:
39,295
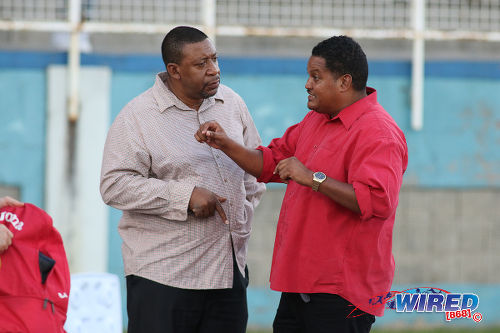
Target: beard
206,94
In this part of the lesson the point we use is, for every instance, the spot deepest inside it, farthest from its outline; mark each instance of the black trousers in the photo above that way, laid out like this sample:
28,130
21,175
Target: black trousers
156,308
321,313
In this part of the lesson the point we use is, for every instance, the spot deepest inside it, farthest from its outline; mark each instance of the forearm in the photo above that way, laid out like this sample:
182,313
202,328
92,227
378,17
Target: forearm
341,193
254,190
135,193
250,160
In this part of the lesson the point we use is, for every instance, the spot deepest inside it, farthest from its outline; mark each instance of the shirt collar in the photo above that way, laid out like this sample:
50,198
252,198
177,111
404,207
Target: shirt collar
351,113
166,98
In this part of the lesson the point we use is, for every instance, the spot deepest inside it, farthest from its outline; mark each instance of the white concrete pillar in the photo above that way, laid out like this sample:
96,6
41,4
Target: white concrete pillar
73,167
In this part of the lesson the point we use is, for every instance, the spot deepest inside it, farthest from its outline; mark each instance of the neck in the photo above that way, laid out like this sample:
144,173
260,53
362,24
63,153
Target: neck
354,97
193,103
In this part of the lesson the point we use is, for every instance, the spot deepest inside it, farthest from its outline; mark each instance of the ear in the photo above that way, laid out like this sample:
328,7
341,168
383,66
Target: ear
173,70
345,82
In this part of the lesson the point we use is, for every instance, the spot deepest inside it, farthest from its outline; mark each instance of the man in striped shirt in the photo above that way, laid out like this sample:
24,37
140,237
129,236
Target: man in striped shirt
187,207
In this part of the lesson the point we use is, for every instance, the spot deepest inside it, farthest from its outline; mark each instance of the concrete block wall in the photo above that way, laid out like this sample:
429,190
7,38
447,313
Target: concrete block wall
11,191
260,247
440,236
447,236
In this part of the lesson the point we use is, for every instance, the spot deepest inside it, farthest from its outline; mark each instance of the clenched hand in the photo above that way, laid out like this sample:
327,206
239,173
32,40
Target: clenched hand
292,168
213,134
204,203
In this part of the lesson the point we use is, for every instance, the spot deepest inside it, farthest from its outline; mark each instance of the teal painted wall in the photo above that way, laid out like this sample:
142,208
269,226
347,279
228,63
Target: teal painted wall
22,131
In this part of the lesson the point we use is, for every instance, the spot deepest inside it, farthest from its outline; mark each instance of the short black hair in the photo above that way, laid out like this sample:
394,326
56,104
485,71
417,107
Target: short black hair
343,55
174,41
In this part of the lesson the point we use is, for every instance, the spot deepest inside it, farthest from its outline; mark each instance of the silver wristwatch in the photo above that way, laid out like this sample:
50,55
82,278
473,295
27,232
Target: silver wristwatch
318,178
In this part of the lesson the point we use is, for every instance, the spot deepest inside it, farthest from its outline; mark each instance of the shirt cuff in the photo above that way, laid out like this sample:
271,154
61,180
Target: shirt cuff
178,196
363,196
268,165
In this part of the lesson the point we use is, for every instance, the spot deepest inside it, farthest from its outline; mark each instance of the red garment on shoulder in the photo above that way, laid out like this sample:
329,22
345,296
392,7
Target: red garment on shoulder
34,273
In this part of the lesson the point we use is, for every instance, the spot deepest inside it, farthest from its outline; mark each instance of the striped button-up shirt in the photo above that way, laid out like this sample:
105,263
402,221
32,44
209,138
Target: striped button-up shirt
151,164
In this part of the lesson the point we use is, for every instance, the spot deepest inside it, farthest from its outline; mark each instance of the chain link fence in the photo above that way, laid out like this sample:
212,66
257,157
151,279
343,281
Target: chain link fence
468,15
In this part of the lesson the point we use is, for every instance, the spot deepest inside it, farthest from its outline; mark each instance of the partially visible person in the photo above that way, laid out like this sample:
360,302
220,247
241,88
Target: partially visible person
34,271
5,234
8,201
187,208
344,165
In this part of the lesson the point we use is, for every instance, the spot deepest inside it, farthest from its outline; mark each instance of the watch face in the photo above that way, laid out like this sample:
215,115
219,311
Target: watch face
320,175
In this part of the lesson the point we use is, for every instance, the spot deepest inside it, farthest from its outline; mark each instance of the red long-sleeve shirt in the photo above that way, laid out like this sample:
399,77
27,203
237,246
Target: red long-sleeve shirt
321,246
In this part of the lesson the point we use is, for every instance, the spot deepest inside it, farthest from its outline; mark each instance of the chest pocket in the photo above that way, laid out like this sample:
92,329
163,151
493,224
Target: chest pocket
233,128
329,161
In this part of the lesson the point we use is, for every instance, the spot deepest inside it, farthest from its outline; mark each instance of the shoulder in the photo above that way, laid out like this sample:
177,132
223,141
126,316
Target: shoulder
139,107
312,120
377,123
228,95
141,102
232,104
375,129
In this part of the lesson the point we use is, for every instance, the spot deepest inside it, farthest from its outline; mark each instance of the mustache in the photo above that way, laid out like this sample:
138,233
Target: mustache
217,79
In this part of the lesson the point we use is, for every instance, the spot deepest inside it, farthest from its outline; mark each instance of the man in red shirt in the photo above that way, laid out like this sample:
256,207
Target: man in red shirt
344,165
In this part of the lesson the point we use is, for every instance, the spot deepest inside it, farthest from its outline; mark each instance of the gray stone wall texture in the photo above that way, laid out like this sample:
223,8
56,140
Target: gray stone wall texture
440,236
10,191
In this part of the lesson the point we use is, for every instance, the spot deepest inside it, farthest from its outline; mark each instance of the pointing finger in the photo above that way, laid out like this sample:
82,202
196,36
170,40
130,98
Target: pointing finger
221,211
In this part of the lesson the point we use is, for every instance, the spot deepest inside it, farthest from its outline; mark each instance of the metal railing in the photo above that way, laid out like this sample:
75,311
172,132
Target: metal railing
416,20
445,15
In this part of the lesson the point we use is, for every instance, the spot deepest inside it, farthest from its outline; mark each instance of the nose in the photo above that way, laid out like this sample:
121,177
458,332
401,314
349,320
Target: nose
308,84
213,68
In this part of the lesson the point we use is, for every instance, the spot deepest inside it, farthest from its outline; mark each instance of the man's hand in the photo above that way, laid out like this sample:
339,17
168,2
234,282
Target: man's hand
213,134
8,201
5,238
204,203
248,159
292,168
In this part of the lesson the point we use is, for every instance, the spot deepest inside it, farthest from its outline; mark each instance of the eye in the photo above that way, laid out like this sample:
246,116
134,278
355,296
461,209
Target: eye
201,64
